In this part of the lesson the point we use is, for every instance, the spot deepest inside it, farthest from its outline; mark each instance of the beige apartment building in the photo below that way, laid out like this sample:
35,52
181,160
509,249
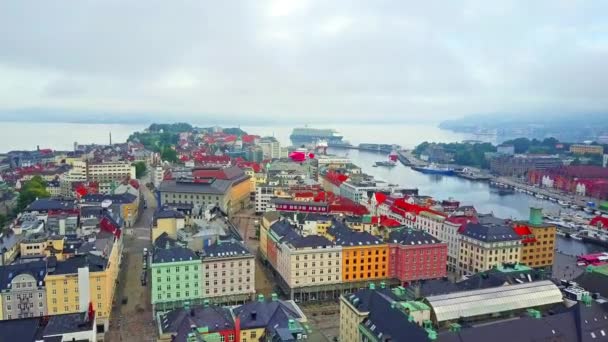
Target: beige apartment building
228,273
485,245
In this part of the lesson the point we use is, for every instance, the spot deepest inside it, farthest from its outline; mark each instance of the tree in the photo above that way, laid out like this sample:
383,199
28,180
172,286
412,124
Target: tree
168,154
3,221
30,191
140,169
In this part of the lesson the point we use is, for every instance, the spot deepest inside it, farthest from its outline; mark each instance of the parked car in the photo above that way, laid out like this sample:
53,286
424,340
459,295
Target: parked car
144,278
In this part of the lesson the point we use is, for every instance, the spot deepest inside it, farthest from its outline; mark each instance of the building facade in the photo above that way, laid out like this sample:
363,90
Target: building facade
538,240
520,165
22,290
586,149
228,273
176,277
416,255
483,246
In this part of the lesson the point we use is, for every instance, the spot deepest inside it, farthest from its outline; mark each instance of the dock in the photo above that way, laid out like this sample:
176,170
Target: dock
408,159
580,201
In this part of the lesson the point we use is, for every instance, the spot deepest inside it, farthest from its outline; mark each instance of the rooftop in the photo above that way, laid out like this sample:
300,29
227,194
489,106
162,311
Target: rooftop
123,198
345,236
496,299
411,237
180,321
173,254
70,266
46,204
260,314
490,232
36,269
225,249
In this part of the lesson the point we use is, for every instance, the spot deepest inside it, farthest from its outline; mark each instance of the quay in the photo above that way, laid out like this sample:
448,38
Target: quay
578,200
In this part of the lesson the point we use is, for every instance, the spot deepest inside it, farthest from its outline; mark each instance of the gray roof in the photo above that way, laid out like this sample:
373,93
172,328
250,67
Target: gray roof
36,269
45,204
226,249
8,240
179,321
411,237
71,265
263,312
213,186
348,237
490,232
68,323
174,254
116,198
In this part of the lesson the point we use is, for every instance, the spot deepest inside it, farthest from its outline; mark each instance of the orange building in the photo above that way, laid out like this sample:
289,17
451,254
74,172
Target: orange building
538,240
364,256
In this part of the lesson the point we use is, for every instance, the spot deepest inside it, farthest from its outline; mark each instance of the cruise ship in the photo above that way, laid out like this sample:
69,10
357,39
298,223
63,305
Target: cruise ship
307,135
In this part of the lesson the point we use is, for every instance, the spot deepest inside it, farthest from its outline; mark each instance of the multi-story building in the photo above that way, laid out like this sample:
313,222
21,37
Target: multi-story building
265,194
449,233
520,165
303,262
257,321
364,257
228,272
271,320
158,174
538,240
176,276
271,148
9,246
431,221
487,244
126,205
268,219
416,255
107,173
375,314
229,188
586,149
82,279
22,290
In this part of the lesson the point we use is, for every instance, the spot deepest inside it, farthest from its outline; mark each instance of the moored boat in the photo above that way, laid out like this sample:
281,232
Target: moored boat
434,169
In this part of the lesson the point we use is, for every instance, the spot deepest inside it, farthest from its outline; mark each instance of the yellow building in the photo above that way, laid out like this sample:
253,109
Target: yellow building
586,149
74,283
364,256
485,245
230,188
167,221
43,245
538,240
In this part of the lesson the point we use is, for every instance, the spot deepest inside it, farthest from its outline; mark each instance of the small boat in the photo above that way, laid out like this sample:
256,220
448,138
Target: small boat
575,207
588,210
552,199
563,203
576,237
434,169
539,196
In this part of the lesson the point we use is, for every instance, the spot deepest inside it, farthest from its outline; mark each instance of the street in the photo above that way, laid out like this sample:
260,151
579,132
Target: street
133,320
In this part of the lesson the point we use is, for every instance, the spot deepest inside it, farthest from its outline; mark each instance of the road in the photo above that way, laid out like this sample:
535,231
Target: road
245,222
134,321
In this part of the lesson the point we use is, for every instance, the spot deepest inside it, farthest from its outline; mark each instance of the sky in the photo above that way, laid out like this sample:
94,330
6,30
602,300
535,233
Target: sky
300,60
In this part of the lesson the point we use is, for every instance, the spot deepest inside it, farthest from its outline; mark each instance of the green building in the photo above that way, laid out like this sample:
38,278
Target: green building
176,277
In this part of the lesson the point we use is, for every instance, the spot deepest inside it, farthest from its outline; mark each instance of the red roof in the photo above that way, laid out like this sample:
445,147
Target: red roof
212,159
217,173
525,233
134,183
243,164
385,221
380,197
249,139
335,178
599,221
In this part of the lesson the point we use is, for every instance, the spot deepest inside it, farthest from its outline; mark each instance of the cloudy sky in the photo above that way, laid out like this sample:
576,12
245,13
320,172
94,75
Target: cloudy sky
287,59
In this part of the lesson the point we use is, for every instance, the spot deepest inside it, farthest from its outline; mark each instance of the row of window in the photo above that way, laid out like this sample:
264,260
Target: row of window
321,255
208,274
362,275
362,253
362,260
25,315
240,263
178,295
177,269
24,306
216,290
23,296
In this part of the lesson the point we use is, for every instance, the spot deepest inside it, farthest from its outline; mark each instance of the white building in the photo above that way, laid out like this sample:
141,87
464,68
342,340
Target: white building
157,174
271,148
264,194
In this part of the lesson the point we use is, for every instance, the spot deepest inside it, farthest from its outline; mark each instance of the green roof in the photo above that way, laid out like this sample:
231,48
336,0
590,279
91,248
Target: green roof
603,270
414,306
516,268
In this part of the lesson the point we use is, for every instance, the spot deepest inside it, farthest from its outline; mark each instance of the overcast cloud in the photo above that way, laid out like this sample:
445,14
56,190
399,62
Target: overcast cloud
392,60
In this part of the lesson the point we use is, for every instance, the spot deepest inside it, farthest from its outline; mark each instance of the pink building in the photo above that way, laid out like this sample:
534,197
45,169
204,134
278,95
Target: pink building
416,255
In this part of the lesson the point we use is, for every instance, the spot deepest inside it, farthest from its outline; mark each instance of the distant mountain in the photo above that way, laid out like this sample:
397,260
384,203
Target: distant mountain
565,127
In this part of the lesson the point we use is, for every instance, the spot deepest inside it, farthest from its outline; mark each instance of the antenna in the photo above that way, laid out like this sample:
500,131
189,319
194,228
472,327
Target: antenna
110,138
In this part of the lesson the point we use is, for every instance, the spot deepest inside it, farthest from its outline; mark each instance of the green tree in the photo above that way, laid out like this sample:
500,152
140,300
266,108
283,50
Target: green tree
140,169
30,191
168,154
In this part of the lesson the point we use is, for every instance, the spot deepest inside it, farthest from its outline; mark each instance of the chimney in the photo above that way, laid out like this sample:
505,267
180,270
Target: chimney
254,315
536,216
